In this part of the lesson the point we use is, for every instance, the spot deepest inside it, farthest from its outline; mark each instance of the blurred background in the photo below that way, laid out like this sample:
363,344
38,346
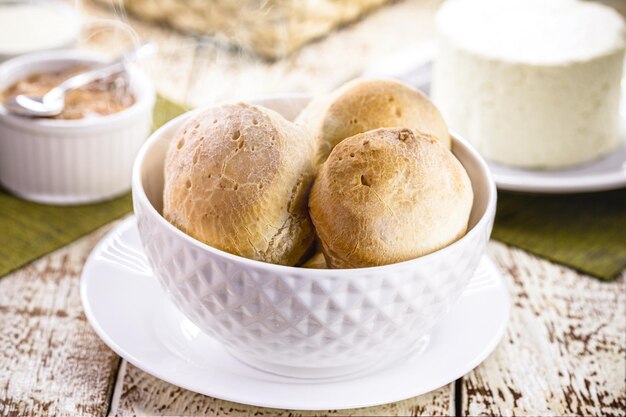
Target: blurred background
212,50
217,49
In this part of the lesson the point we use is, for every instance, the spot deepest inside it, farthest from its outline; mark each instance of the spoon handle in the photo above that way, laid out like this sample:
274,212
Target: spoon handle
87,77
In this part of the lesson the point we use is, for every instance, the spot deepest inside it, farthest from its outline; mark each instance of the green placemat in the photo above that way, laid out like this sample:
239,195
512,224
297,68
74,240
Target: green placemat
584,231
30,230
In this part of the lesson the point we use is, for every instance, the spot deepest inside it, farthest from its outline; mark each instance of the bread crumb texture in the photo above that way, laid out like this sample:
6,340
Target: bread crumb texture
389,195
237,178
362,105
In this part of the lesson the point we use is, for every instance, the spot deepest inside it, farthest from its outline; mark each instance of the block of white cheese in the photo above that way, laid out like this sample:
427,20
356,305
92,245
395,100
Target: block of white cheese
531,83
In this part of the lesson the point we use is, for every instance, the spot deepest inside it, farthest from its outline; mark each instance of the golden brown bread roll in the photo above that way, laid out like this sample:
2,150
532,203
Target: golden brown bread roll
237,178
367,104
389,195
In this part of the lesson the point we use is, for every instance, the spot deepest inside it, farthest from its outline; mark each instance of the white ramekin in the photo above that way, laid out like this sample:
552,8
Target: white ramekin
71,161
306,322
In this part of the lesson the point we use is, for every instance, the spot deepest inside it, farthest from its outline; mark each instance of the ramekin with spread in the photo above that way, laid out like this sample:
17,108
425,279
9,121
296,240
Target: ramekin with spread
99,98
86,153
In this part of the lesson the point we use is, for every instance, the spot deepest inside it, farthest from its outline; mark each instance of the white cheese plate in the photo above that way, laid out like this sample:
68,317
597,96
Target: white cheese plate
609,172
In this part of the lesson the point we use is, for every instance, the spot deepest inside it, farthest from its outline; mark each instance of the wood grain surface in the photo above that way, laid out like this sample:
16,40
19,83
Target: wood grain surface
563,354
143,394
565,350
51,361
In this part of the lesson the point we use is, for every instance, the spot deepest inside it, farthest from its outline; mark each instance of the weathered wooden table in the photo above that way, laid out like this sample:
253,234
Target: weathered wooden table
564,352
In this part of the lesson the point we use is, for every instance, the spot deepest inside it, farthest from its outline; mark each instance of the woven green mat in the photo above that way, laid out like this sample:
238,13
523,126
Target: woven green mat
30,230
584,231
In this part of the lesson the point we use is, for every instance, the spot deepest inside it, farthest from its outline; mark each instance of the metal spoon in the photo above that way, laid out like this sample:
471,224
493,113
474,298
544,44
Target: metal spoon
53,102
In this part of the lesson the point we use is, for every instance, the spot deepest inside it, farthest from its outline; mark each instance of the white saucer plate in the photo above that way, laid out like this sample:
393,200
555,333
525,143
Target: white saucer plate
132,315
606,173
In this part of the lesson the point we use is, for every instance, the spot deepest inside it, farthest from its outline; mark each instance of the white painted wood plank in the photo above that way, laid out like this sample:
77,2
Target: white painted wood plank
51,361
565,349
143,394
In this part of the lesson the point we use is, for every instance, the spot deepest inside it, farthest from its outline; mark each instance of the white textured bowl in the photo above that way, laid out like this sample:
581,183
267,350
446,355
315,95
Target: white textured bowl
306,322
71,161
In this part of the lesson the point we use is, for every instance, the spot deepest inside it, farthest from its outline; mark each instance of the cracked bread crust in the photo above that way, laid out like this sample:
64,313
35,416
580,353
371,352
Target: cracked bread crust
367,104
237,177
389,195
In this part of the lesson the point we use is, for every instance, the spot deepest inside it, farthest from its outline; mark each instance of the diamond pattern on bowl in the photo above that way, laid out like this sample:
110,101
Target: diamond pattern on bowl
296,318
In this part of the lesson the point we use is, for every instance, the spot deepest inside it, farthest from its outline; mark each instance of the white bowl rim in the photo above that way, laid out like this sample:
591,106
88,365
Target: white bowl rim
145,92
139,193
